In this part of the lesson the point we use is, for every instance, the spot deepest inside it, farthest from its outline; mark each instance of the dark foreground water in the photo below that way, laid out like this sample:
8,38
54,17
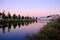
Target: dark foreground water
19,31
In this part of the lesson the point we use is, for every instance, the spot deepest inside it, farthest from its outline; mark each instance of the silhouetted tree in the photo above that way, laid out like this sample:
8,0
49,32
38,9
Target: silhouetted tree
36,17
14,16
26,17
30,18
0,14
19,17
3,15
9,15
49,16
33,18
22,17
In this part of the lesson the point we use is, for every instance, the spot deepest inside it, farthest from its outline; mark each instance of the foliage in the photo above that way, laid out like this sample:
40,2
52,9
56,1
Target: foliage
27,17
3,15
36,18
51,31
22,17
14,16
9,16
49,16
19,17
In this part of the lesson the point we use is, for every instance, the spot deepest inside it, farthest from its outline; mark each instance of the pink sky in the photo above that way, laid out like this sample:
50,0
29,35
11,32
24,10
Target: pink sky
31,7
34,12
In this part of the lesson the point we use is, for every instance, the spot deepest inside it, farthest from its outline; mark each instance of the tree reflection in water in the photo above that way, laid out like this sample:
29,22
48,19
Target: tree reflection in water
14,25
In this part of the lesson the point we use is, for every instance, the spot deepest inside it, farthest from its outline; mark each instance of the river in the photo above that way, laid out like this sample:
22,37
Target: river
19,31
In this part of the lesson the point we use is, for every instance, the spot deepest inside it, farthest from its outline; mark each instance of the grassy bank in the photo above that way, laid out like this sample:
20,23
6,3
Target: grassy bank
51,31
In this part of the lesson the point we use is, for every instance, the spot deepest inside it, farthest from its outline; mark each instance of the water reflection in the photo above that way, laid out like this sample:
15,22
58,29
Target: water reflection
19,30
3,26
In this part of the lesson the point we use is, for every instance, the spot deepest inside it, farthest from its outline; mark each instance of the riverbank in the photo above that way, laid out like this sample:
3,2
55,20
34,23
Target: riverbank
16,20
51,31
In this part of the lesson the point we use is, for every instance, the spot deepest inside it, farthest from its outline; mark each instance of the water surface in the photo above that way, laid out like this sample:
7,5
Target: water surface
19,31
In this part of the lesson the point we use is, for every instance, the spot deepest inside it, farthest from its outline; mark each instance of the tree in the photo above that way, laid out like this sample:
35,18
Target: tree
49,16
0,13
36,18
3,15
19,17
27,17
14,16
30,18
9,16
33,18
22,17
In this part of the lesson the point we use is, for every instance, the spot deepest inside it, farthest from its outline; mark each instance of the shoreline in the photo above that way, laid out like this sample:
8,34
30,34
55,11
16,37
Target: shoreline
16,20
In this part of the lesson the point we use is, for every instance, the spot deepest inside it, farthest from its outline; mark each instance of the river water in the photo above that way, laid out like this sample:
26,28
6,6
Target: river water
19,31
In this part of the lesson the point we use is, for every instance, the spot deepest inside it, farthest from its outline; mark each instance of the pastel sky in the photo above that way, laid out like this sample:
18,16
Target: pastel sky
31,7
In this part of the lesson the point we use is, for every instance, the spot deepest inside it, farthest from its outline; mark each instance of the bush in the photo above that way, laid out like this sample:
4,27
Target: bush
51,31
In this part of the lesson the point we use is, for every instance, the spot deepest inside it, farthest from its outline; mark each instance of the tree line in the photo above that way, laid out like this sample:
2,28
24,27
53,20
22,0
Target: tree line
8,16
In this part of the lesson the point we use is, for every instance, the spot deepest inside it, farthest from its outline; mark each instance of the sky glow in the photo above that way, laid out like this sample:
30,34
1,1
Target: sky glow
31,7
